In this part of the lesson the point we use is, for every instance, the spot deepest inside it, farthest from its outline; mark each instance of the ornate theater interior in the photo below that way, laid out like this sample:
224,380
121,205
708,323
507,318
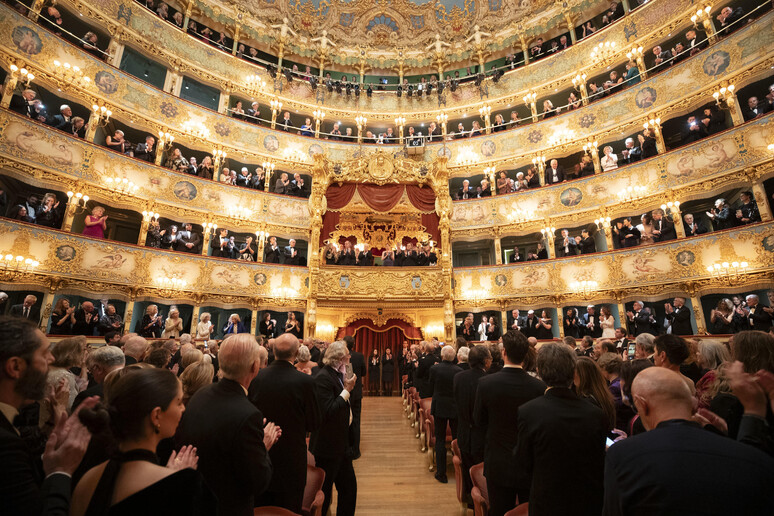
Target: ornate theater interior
387,170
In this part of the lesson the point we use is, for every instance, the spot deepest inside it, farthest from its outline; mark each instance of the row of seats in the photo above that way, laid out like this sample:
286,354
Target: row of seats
313,494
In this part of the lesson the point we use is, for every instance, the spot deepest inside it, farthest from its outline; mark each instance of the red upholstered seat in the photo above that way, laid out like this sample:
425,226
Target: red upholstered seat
313,495
521,510
272,511
479,493
457,461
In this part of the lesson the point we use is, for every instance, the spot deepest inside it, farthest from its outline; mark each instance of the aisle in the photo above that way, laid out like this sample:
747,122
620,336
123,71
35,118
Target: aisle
392,475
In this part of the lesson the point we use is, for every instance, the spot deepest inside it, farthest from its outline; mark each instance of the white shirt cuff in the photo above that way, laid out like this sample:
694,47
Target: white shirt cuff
68,475
345,394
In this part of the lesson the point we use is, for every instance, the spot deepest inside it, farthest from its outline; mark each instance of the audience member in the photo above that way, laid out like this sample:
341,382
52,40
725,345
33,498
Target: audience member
640,471
235,465
443,408
28,309
332,443
496,412
671,352
561,441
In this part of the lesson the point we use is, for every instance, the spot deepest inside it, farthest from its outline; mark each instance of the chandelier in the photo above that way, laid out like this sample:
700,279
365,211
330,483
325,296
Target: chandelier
12,267
585,287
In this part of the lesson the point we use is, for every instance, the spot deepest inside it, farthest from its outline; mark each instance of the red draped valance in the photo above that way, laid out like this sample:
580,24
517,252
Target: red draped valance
381,198
409,332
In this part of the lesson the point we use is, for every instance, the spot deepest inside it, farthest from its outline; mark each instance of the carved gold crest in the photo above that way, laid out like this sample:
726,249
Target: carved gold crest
380,167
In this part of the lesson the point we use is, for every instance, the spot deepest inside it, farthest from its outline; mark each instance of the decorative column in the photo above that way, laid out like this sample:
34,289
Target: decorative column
593,148
75,201
759,193
622,313
579,82
224,100
237,30
268,170
489,173
187,14
559,315
636,54
704,16
549,233
317,208
485,112
48,305
603,225
698,311
147,217
497,247
399,68
319,116
208,233
13,79
275,105
400,121
625,4
37,5
570,25
654,124
725,98
173,82
129,312
524,48
540,163
529,101
165,140
361,122
195,318
262,236
440,184
115,49
672,213
254,319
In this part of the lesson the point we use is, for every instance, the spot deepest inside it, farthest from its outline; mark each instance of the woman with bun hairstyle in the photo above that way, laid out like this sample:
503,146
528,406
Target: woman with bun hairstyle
144,406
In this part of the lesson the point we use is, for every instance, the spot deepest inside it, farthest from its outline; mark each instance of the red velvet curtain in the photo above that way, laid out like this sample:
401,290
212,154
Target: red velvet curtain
329,222
430,221
380,198
421,197
339,196
368,337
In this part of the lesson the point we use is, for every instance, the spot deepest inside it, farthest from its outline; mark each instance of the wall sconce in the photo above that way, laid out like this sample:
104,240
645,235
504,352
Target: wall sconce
584,287
170,286
671,208
76,202
319,116
591,146
529,100
485,112
149,216
12,267
653,123
238,213
254,84
100,115
549,234
268,170
634,53
631,193
275,105
603,51
400,122
436,329
540,163
71,75
519,216
442,119
603,224
165,139
285,293
209,229
360,121
476,297
218,155
121,185
725,95
261,236
21,74
727,271
196,130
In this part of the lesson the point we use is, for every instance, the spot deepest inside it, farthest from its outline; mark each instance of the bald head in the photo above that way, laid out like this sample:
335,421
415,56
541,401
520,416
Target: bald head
660,395
239,357
135,347
285,347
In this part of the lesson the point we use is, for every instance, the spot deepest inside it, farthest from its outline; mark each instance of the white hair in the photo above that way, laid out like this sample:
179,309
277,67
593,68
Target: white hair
335,354
462,354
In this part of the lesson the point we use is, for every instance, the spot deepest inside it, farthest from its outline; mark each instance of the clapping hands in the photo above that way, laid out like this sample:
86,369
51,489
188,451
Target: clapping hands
185,458
271,434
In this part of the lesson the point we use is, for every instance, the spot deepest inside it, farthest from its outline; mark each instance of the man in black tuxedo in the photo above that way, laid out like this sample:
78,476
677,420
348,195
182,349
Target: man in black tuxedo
24,104
640,320
364,257
297,186
621,342
442,408
641,472
663,229
27,486
409,256
193,165
219,244
243,178
187,240
628,235
515,256
590,323
694,132
561,442
27,309
518,322
587,244
692,227
466,330
347,255
291,253
272,253
254,113
147,151
86,319
427,359
332,442
356,400
286,396
630,154
530,324
554,173
228,430
466,191
496,412
470,437
670,351
679,317
286,124
758,318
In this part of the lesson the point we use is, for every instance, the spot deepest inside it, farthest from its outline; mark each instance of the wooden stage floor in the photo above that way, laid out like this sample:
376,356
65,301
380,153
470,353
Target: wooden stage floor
392,474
